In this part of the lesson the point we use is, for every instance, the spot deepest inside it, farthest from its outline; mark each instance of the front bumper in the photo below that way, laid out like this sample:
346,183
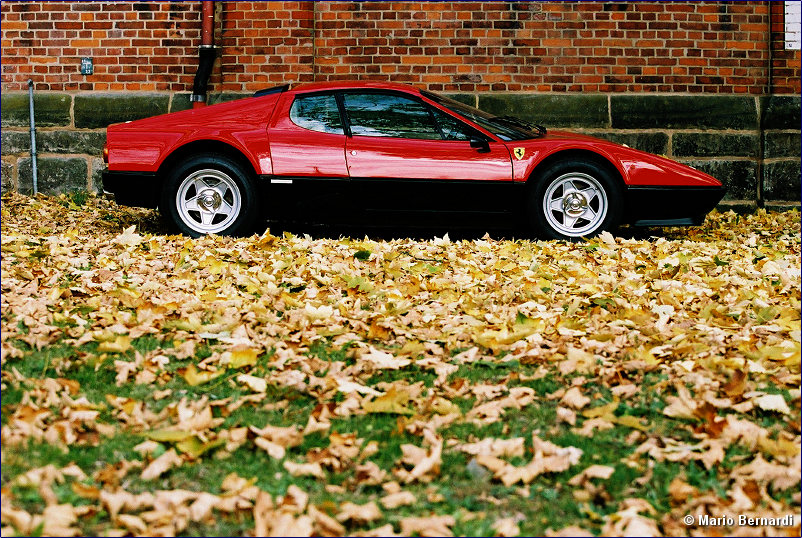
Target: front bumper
138,189
671,206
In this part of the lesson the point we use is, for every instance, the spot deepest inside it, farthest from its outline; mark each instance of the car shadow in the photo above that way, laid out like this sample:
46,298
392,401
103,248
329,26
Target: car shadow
414,227
389,233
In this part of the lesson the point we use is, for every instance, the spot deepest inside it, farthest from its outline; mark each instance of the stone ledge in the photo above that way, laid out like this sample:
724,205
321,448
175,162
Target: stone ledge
683,112
87,142
50,109
773,205
99,110
780,111
714,145
181,100
750,206
550,110
739,206
656,143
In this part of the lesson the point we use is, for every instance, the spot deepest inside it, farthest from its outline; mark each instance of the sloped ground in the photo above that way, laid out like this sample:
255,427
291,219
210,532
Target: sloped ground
288,385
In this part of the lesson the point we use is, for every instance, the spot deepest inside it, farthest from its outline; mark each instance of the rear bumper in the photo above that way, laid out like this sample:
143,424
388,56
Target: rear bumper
671,206
139,189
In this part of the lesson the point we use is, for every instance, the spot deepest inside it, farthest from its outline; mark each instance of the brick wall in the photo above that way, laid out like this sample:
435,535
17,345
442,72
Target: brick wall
135,46
584,65
693,47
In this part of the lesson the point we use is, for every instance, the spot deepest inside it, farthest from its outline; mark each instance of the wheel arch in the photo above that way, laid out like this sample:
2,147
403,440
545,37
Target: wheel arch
576,154
201,147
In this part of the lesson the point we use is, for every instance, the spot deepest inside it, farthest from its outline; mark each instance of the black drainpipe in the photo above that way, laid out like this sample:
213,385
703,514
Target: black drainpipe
206,55
762,104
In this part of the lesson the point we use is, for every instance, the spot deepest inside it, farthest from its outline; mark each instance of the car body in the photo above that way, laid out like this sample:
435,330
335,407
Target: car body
388,147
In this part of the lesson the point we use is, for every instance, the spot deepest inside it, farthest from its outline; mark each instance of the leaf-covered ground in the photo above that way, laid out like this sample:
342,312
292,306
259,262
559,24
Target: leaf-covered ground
159,385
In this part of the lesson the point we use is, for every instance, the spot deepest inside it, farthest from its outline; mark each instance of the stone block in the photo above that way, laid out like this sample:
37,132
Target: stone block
14,142
93,111
55,175
738,177
467,98
781,180
50,109
714,145
683,112
7,175
743,207
180,102
214,98
780,111
656,143
550,110
97,174
774,205
89,142
781,145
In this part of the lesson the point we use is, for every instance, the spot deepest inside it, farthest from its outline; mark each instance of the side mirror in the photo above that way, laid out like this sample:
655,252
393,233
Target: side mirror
480,144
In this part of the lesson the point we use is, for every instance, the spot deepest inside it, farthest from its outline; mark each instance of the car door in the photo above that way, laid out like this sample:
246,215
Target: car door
307,139
418,156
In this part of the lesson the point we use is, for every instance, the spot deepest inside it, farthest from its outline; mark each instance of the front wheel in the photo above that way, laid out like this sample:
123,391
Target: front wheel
574,199
210,195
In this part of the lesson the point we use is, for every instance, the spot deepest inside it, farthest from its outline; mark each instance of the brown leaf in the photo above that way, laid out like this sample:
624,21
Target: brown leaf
428,526
401,498
304,469
360,513
161,465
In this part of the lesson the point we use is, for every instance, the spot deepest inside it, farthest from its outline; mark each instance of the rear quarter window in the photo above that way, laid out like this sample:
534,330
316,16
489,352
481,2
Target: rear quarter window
317,113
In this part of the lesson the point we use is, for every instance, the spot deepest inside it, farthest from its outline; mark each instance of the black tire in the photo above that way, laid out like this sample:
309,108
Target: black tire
207,194
555,210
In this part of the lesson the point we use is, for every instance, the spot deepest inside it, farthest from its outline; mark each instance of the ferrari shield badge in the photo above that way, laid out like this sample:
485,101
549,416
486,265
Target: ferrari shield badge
518,152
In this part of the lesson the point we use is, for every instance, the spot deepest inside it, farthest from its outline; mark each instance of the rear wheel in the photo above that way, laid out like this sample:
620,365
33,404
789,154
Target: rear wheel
210,195
573,199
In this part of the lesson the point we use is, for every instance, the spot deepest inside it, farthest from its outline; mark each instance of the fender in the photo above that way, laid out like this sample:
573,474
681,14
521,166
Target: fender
145,145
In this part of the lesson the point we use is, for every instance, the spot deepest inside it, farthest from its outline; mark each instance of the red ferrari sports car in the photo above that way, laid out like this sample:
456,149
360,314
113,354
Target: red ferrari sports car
388,147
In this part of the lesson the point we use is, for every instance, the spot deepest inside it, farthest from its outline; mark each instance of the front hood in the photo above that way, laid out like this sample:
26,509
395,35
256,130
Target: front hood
636,167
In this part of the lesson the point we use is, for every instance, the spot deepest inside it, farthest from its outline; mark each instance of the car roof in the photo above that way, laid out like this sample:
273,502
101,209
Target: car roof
353,84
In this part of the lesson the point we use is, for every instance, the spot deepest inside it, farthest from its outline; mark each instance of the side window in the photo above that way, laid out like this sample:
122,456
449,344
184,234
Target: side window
452,128
381,114
317,113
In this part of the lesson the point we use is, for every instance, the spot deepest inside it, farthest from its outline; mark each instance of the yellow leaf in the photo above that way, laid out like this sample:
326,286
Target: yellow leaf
121,344
632,422
441,406
394,402
195,377
241,356
195,447
602,410
168,436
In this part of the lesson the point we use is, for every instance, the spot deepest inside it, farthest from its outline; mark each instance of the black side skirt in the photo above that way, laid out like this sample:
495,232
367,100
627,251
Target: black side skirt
670,206
138,189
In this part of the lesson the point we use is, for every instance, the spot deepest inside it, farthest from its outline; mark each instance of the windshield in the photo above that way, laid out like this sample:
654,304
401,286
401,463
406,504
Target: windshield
506,128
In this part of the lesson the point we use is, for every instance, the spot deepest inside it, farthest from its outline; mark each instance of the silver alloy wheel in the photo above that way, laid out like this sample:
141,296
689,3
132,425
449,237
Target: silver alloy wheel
575,204
208,201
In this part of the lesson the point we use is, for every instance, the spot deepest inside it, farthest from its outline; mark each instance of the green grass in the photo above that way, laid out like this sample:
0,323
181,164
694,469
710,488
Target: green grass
459,488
